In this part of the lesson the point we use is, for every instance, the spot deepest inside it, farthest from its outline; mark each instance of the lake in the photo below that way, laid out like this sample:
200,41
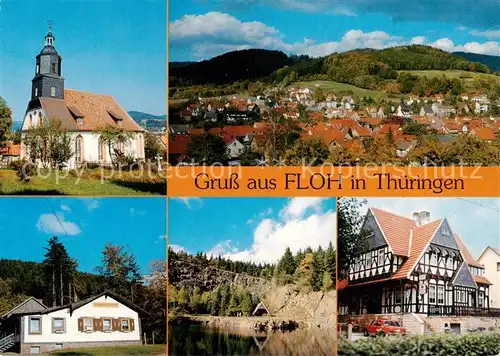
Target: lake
201,340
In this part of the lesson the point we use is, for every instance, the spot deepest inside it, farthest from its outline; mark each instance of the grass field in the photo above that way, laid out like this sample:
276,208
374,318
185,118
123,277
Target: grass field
149,350
341,87
460,74
88,183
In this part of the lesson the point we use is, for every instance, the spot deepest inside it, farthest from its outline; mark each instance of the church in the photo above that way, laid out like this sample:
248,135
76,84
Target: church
81,114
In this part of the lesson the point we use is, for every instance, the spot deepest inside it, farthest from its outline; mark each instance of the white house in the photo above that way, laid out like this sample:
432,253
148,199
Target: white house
81,114
490,259
102,320
235,148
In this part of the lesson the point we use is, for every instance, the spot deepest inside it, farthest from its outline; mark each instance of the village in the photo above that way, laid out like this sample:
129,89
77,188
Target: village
346,124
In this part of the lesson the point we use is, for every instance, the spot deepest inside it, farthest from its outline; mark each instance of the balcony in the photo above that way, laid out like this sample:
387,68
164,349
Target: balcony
441,310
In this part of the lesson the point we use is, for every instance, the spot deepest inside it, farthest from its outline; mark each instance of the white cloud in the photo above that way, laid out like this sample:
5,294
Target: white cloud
491,33
64,207
177,248
137,212
92,204
215,33
52,224
191,203
303,223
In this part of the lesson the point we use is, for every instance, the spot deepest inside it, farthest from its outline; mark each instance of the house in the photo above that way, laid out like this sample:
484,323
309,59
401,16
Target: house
426,111
481,107
404,146
490,259
442,110
234,148
348,102
260,310
404,111
105,319
418,271
9,153
81,114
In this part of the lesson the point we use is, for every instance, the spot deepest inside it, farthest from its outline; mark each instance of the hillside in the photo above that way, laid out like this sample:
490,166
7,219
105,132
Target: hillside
229,67
148,121
493,62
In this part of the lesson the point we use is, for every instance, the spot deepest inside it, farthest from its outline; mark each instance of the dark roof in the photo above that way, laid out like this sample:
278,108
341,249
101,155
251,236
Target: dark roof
48,50
12,311
73,306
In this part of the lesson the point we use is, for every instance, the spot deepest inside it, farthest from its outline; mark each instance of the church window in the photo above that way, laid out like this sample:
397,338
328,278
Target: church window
53,91
36,91
37,68
78,149
53,67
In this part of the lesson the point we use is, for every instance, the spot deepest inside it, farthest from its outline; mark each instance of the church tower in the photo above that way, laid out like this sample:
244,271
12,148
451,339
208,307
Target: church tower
48,82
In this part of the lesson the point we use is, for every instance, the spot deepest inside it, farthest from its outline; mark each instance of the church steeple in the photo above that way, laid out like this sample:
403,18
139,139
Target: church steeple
48,81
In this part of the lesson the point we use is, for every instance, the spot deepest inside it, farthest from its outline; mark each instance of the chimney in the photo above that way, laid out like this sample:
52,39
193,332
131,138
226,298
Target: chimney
421,218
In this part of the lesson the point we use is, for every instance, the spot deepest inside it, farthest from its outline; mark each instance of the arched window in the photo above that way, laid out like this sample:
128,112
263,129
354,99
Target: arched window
78,149
102,150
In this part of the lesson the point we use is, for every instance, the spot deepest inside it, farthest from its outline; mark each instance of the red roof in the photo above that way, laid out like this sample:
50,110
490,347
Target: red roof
178,143
481,280
484,133
467,256
10,149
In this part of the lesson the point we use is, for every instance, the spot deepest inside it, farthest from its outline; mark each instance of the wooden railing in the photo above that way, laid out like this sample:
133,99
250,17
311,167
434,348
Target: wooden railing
441,310
7,342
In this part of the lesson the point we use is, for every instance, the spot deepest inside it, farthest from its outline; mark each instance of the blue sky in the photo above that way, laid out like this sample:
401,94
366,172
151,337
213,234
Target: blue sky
201,29
85,225
476,221
113,47
250,229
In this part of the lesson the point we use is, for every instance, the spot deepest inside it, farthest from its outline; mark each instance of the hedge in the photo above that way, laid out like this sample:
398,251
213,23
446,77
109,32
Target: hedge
474,344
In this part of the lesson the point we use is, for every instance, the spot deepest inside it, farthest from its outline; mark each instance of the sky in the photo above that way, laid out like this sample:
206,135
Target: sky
201,29
251,229
84,226
114,47
476,221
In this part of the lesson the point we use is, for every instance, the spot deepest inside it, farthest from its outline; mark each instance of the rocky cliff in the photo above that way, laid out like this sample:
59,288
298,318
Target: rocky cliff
314,309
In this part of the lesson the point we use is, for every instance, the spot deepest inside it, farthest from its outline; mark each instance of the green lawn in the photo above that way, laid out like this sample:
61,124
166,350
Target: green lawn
89,183
460,74
152,350
341,87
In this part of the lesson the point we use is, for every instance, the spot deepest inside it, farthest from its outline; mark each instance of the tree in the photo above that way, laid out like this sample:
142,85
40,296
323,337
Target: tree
207,150
316,272
48,143
307,153
152,147
120,270
116,139
59,271
327,282
287,263
351,241
319,96
331,263
5,121
246,303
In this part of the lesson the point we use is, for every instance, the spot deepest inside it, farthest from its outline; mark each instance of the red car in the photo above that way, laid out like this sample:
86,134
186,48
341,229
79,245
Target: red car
382,327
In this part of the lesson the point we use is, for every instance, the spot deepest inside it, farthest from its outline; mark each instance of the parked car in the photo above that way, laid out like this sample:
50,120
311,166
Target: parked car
382,327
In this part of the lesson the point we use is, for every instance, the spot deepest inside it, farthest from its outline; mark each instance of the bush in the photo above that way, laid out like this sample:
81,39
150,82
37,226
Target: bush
25,169
470,344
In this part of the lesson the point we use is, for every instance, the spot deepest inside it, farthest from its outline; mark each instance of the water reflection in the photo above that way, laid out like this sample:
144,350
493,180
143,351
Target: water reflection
200,340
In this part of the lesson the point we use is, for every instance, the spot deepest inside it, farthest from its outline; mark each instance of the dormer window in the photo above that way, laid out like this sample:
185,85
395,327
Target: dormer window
79,120
77,114
116,118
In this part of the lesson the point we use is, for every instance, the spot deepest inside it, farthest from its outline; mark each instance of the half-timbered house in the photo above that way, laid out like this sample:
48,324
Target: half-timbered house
413,266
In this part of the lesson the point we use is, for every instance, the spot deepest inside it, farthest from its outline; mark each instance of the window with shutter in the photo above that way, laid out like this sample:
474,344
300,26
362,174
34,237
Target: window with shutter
107,325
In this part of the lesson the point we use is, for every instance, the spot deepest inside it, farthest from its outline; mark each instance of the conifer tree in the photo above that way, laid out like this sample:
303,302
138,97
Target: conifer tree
246,303
287,263
316,272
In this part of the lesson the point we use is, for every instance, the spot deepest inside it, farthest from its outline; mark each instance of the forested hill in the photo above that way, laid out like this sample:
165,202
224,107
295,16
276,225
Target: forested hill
27,278
229,67
493,62
365,68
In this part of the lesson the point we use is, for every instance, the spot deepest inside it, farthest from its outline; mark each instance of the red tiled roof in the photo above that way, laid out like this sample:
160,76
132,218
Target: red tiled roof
484,133
481,280
384,129
10,149
178,143
467,256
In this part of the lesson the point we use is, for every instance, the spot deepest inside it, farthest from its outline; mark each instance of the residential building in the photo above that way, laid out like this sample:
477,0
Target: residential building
105,319
490,259
417,271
